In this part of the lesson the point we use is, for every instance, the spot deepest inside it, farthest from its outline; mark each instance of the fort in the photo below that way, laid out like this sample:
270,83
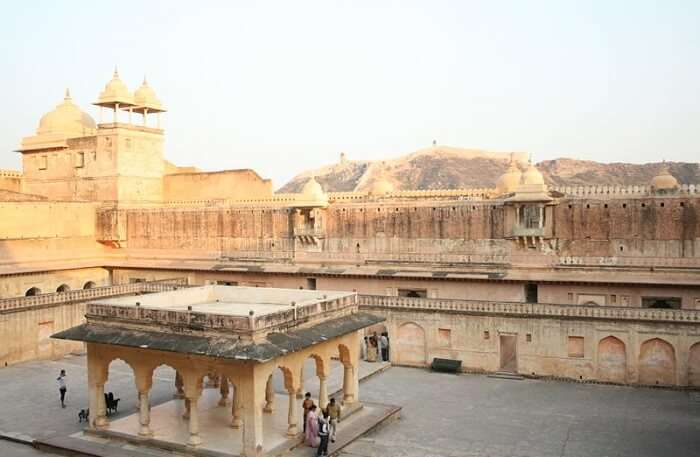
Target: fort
597,284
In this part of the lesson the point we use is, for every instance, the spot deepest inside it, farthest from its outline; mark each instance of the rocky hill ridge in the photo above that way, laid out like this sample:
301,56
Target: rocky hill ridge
444,167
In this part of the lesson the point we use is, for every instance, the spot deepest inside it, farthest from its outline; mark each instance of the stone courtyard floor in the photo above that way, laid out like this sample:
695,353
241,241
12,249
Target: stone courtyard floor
443,415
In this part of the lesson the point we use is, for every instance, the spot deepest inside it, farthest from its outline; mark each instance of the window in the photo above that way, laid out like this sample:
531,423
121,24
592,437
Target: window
613,299
311,283
575,346
528,337
136,280
661,302
417,293
570,296
444,337
531,293
80,160
43,162
487,335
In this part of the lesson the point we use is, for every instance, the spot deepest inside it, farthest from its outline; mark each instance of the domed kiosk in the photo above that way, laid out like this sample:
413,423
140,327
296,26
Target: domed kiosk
509,181
65,121
664,182
380,188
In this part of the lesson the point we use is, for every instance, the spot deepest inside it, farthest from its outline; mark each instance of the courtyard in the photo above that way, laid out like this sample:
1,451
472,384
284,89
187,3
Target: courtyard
443,415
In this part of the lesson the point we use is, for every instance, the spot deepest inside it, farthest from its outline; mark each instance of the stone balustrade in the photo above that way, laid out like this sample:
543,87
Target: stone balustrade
517,309
619,191
659,262
186,321
82,295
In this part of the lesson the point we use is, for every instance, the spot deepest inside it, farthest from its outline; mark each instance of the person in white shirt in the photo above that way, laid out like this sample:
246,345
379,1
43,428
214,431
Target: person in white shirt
62,388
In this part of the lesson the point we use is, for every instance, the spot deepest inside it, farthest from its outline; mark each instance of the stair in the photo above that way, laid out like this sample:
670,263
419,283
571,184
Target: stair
506,375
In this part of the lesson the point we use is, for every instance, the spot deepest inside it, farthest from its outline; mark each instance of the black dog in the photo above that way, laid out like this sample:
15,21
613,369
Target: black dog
84,415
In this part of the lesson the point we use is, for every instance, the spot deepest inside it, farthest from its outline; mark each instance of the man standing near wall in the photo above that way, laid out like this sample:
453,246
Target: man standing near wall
384,346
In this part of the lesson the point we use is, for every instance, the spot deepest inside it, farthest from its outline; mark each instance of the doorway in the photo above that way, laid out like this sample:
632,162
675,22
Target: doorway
509,353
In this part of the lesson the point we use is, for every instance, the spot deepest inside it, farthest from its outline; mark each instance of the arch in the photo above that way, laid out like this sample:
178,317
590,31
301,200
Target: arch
344,354
32,292
612,360
694,365
63,288
657,363
410,345
89,285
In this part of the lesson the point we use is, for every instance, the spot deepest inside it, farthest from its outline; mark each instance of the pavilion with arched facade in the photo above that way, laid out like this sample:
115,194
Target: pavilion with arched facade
243,334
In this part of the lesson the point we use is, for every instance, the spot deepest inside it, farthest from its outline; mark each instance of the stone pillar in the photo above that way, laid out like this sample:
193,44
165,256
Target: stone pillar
541,216
236,408
97,377
322,392
144,382
292,418
116,110
193,390
178,385
223,390
269,396
300,391
252,395
186,414
348,384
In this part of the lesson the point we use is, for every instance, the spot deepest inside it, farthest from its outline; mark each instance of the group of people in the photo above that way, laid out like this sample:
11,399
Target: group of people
376,347
320,424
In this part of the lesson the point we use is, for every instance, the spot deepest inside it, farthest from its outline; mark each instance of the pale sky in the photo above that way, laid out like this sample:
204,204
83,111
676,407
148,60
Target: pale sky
281,87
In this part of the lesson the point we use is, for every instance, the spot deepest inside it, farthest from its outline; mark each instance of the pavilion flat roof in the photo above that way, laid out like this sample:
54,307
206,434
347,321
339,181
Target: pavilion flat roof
226,300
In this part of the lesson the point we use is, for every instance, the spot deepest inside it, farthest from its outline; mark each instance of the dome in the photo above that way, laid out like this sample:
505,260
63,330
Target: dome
115,92
381,187
664,180
66,119
313,192
145,97
509,180
532,176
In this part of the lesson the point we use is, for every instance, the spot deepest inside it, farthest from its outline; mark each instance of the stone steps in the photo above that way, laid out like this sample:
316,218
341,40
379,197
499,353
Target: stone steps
506,375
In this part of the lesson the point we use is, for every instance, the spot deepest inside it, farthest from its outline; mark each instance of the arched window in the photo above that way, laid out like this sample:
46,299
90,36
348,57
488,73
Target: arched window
89,285
33,291
63,288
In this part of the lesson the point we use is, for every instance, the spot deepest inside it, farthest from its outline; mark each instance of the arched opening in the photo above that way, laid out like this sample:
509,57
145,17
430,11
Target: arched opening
63,288
694,365
33,291
89,285
410,345
612,360
657,363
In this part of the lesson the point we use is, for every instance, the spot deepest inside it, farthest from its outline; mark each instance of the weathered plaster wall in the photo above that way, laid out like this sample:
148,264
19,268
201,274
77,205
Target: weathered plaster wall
229,184
26,335
627,352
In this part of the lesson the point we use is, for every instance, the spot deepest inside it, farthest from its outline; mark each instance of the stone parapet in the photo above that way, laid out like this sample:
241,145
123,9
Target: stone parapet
604,192
23,303
517,309
147,318
641,262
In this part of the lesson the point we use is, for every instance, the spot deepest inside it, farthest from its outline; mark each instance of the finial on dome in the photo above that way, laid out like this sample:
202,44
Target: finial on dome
116,72
145,82
67,96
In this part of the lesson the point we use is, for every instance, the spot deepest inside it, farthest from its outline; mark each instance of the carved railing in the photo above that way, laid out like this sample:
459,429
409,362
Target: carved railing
81,295
620,191
669,262
518,309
